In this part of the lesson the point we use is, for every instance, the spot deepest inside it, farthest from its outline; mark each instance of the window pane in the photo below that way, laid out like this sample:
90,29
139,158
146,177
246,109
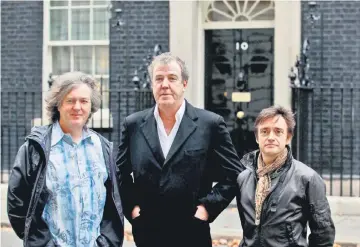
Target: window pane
80,24
96,2
60,60
104,90
58,24
101,24
80,3
102,60
83,58
58,3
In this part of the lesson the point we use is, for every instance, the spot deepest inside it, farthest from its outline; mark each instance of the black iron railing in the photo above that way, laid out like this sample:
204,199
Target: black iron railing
21,110
327,135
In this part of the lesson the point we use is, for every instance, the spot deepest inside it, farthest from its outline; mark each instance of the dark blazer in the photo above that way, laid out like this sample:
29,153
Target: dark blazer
169,190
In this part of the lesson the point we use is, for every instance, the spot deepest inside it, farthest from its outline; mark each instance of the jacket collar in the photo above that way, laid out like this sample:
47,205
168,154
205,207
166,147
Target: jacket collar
250,159
186,128
42,135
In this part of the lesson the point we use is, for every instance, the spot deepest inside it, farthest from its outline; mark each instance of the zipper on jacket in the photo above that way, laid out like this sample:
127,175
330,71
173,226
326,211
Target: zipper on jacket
37,192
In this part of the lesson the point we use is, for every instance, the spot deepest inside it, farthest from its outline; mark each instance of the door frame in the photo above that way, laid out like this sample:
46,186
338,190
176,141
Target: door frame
187,40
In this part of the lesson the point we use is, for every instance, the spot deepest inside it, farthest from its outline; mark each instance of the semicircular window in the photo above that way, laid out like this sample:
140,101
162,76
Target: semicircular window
240,10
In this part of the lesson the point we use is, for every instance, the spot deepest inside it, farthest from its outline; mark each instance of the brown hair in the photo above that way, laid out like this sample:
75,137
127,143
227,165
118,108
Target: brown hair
274,111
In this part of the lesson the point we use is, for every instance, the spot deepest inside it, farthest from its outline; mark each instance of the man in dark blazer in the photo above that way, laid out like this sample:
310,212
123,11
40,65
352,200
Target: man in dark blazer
172,151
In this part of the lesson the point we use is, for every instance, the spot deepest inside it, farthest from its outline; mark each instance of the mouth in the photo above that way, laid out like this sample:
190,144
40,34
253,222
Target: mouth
165,95
270,145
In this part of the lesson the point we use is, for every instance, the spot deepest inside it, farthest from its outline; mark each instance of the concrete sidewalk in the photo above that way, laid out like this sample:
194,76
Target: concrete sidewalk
227,227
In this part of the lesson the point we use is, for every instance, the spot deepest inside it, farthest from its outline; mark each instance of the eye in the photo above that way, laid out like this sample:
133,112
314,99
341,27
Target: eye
84,101
278,131
263,131
158,79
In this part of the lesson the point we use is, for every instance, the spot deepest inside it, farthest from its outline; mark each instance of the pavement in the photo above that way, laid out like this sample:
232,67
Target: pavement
226,229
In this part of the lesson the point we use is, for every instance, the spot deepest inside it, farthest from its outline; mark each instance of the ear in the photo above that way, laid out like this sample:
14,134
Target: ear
288,139
185,83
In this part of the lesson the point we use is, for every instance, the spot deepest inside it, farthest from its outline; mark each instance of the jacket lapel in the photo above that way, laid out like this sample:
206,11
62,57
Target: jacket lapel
149,130
186,128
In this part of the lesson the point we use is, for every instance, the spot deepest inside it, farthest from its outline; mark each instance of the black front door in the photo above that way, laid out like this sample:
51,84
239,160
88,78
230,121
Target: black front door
239,79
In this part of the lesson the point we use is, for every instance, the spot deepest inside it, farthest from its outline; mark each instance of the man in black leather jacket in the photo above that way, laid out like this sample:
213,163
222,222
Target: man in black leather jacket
38,193
278,195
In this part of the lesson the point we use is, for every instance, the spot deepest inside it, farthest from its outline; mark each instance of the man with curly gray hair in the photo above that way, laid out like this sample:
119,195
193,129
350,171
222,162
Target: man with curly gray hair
63,190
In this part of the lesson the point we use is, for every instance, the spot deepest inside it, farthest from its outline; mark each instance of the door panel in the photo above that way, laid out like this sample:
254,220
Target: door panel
239,79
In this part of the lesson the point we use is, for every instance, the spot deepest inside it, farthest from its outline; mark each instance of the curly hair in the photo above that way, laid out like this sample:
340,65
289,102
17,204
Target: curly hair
62,85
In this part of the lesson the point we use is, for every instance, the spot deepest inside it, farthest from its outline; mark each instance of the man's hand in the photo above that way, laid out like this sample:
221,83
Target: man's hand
201,213
135,212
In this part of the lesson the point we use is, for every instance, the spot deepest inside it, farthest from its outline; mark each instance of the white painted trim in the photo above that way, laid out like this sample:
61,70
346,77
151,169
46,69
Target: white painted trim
238,25
200,63
287,24
71,57
78,7
47,59
69,30
91,27
93,63
79,43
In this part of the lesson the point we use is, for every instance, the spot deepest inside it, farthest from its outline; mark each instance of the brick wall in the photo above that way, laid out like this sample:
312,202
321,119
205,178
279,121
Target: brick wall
146,23
334,141
21,71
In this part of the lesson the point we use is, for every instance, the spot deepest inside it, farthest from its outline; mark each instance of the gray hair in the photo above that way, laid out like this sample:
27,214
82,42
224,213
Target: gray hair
62,85
274,111
166,58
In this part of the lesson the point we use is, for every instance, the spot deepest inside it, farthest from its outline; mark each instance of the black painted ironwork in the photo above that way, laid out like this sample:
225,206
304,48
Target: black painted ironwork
141,78
50,80
22,109
326,132
239,64
300,73
326,138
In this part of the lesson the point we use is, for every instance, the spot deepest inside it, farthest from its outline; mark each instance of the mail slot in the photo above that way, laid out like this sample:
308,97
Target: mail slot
241,97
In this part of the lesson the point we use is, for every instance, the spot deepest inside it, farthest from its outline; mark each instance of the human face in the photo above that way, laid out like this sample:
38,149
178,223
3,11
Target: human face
75,107
168,86
273,136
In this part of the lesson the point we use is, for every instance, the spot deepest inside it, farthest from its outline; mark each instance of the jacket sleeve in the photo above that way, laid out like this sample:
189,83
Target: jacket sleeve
225,190
124,170
19,190
321,225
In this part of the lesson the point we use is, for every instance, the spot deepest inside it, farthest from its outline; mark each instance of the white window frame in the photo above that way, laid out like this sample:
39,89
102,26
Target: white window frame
96,121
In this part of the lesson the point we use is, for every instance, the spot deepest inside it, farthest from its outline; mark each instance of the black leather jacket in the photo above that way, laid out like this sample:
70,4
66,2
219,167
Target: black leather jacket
27,193
297,199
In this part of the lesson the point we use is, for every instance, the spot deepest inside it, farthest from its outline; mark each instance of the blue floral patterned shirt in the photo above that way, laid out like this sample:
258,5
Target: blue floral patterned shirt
75,177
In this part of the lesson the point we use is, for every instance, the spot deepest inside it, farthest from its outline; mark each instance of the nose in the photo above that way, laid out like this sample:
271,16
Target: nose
165,83
77,105
271,135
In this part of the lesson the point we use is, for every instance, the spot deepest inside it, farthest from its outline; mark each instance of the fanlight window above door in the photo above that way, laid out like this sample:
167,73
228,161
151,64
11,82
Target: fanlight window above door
240,10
